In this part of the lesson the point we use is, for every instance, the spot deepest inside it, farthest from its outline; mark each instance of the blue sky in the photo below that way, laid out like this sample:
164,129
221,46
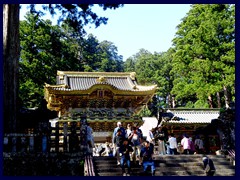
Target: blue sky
136,26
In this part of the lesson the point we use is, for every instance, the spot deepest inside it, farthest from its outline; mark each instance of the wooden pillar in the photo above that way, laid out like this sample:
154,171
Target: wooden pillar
6,144
23,144
31,143
44,143
65,137
14,144
57,137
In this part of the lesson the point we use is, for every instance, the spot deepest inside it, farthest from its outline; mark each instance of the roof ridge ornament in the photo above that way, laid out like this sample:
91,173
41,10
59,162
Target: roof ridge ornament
133,75
101,79
135,87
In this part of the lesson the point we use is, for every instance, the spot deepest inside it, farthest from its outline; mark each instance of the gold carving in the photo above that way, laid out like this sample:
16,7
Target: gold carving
101,79
133,75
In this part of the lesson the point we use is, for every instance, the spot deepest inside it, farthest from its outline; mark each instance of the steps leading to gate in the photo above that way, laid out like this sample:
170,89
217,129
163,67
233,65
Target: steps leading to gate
167,165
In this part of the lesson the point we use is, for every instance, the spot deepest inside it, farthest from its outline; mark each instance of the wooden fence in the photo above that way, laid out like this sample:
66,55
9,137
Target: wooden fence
69,137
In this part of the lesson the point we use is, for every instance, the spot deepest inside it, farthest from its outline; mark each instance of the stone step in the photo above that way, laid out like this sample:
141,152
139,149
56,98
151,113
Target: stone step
167,165
165,173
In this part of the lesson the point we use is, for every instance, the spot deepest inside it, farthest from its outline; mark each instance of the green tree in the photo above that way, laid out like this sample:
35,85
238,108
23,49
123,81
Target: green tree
164,78
204,62
78,15
10,66
144,67
44,50
129,64
100,56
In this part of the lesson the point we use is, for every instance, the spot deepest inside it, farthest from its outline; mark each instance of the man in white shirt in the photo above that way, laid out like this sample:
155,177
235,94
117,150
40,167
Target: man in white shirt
172,144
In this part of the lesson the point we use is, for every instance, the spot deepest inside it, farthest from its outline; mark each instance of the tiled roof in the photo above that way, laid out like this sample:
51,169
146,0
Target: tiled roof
193,116
84,81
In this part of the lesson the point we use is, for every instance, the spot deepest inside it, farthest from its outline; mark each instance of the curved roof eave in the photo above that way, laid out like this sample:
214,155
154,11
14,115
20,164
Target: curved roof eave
115,90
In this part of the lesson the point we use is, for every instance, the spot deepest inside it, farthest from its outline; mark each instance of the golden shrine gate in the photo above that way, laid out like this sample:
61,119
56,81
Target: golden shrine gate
104,98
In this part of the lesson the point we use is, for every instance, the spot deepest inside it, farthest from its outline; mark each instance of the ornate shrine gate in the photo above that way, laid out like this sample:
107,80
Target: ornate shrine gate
104,98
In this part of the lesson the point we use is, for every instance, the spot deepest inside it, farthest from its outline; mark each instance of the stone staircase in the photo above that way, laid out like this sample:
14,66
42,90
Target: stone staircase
167,165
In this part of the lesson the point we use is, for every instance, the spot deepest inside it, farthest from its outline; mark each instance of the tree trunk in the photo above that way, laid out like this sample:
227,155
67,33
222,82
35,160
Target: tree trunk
227,97
210,101
10,65
173,102
219,100
169,101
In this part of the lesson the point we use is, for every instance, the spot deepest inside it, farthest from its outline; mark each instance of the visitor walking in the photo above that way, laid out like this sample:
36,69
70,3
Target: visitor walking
192,146
135,138
146,154
118,141
186,143
150,136
199,145
172,144
90,139
123,134
160,136
124,152
128,130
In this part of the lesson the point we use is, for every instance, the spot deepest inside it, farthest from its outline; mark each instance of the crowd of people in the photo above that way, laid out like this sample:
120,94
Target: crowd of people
168,144
129,146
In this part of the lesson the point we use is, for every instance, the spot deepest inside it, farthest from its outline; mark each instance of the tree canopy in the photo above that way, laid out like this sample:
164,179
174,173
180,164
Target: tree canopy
204,62
199,70
46,48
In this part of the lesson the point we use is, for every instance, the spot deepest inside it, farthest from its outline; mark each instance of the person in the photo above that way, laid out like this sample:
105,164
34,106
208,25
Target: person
90,138
139,131
136,140
128,130
119,126
160,136
150,136
124,152
172,144
185,142
146,154
192,146
208,162
199,145
118,141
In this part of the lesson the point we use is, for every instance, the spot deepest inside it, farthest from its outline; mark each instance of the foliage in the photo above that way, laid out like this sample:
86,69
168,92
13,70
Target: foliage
204,60
199,70
46,48
200,104
145,112
76,15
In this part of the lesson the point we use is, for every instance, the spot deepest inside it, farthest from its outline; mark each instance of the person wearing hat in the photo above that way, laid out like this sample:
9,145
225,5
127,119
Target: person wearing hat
208,166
